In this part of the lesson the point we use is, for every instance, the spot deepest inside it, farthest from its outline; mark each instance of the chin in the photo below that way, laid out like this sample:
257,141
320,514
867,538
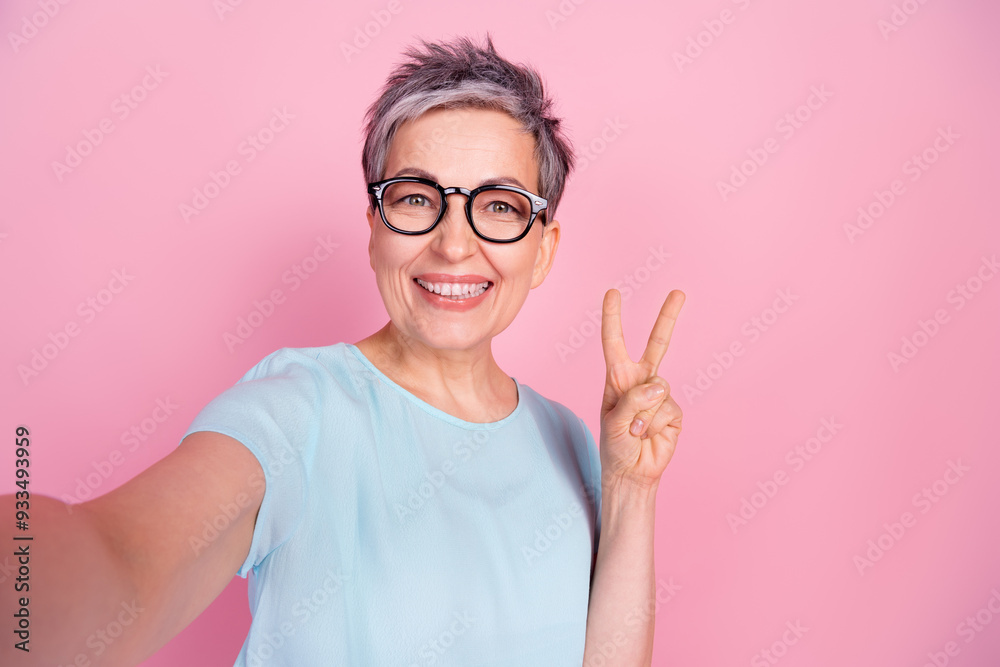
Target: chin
458,341
445,338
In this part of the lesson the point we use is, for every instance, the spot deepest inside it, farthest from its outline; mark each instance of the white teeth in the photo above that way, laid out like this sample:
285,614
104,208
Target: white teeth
455,291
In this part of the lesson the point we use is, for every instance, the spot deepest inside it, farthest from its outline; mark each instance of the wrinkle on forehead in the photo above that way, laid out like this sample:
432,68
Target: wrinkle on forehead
438,142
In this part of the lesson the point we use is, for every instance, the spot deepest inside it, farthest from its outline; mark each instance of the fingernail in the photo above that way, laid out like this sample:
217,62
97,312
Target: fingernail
654,392
637,427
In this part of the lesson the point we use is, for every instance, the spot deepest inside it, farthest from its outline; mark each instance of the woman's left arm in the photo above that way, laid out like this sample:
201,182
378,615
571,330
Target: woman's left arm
640,424
622,595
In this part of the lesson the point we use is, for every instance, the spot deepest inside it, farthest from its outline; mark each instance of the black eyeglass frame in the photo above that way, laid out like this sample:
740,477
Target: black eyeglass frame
538,204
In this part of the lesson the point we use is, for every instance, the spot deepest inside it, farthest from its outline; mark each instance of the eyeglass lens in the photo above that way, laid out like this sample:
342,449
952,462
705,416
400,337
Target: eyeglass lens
496,214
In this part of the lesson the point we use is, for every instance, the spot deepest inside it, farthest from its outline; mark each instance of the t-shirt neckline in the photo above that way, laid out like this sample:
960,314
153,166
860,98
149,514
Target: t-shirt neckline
430,409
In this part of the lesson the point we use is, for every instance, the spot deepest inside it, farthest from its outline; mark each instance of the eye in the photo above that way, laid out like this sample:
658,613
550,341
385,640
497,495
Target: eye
416,200
501,207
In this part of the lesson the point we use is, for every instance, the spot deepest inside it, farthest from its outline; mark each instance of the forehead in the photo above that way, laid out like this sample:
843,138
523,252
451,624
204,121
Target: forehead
464,147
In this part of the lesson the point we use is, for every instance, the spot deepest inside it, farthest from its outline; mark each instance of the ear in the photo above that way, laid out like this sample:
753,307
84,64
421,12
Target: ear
546,253
370,214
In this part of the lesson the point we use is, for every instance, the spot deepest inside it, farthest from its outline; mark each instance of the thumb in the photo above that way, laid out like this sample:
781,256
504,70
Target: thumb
638,404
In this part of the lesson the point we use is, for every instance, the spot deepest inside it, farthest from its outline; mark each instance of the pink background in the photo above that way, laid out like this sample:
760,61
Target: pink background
671,132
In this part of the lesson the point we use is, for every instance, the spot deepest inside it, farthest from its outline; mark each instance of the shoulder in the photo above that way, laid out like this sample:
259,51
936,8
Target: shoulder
556,416
314,379
562,427
302,363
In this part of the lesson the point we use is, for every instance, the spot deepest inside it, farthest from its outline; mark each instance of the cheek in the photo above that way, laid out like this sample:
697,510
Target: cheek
515,268
389,256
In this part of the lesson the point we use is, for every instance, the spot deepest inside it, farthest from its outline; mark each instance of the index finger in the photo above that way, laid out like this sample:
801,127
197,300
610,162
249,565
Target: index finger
612,339
663,329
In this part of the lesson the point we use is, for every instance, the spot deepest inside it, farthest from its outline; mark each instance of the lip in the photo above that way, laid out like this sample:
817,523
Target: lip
445,303
449,278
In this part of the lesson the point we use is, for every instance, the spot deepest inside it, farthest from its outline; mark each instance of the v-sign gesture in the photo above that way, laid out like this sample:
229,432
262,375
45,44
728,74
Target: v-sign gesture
639,429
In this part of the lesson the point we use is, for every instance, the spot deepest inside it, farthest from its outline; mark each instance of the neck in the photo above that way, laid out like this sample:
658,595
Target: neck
455,380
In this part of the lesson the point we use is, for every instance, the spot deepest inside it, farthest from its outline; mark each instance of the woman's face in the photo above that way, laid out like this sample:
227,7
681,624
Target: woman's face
467,148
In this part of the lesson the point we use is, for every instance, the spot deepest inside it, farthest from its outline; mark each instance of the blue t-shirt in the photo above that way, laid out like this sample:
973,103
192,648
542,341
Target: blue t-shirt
393,533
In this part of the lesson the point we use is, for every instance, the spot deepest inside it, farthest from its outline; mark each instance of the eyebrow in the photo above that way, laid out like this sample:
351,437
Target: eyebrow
420,173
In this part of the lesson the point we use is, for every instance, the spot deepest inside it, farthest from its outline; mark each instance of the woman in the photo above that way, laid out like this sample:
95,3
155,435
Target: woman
402,500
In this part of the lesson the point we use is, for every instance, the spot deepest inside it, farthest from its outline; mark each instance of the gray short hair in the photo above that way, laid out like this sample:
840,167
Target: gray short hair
459,74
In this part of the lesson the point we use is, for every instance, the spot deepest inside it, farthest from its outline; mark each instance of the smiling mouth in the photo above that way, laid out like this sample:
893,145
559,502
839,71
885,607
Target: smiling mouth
455,291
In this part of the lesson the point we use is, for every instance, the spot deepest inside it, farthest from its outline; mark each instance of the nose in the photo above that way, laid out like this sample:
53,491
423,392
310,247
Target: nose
454,237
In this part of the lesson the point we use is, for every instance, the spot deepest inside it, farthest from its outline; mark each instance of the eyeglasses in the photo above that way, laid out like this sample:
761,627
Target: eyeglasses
497,213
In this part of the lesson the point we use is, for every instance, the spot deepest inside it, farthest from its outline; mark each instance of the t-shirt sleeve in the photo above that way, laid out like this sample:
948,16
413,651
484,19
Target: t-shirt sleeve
273,412
594,490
